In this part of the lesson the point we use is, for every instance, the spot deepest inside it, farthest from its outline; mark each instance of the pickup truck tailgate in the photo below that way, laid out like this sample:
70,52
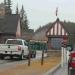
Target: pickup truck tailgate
7,47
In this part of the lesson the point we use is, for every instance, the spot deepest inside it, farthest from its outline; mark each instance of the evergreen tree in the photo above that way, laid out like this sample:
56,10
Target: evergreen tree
22,13
26,24
5,2
8,4
24,21
17,11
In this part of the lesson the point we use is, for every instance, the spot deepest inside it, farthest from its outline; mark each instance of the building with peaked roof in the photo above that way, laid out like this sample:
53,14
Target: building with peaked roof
10,27
56,33
60,32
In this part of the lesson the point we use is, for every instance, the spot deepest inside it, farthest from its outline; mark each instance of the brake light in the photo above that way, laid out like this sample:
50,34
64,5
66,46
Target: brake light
19,48
72,64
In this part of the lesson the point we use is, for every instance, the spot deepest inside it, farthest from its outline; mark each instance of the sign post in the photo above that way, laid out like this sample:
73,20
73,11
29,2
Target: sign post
64,52
29,56
42,60
62,59
63,56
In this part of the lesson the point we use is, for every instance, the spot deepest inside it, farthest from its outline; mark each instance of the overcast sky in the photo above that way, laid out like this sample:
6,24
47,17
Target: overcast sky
41,12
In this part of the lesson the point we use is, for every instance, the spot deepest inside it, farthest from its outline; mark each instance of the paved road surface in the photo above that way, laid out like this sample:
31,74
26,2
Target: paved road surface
9,63
64,71
61,71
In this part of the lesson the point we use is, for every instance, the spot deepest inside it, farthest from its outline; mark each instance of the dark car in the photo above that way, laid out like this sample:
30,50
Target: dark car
71,62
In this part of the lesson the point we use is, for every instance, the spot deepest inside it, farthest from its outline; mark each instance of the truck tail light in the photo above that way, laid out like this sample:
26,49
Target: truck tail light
19,48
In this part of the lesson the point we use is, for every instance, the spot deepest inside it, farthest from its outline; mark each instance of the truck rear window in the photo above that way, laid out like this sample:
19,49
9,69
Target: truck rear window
18,42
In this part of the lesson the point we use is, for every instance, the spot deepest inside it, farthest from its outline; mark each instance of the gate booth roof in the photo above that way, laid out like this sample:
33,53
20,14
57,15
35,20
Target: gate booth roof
68,26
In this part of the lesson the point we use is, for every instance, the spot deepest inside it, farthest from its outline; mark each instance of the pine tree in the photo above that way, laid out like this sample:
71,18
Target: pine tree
22,13
26,24
8,4
24,21
5,2
17,11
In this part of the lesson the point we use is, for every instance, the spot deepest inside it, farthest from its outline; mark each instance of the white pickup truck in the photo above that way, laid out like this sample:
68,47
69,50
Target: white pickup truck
14,48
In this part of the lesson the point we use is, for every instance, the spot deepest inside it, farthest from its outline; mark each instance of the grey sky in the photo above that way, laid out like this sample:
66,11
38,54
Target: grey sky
41,12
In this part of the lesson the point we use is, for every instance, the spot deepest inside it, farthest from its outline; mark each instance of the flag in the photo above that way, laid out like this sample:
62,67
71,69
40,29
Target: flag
56,11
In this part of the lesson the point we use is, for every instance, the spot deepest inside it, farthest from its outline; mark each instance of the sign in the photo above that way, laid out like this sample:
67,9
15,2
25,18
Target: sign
65,40
65,37
64,44
69,47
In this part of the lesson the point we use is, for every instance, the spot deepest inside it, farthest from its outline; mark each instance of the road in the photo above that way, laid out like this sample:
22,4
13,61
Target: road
64,71
9,63
61,71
